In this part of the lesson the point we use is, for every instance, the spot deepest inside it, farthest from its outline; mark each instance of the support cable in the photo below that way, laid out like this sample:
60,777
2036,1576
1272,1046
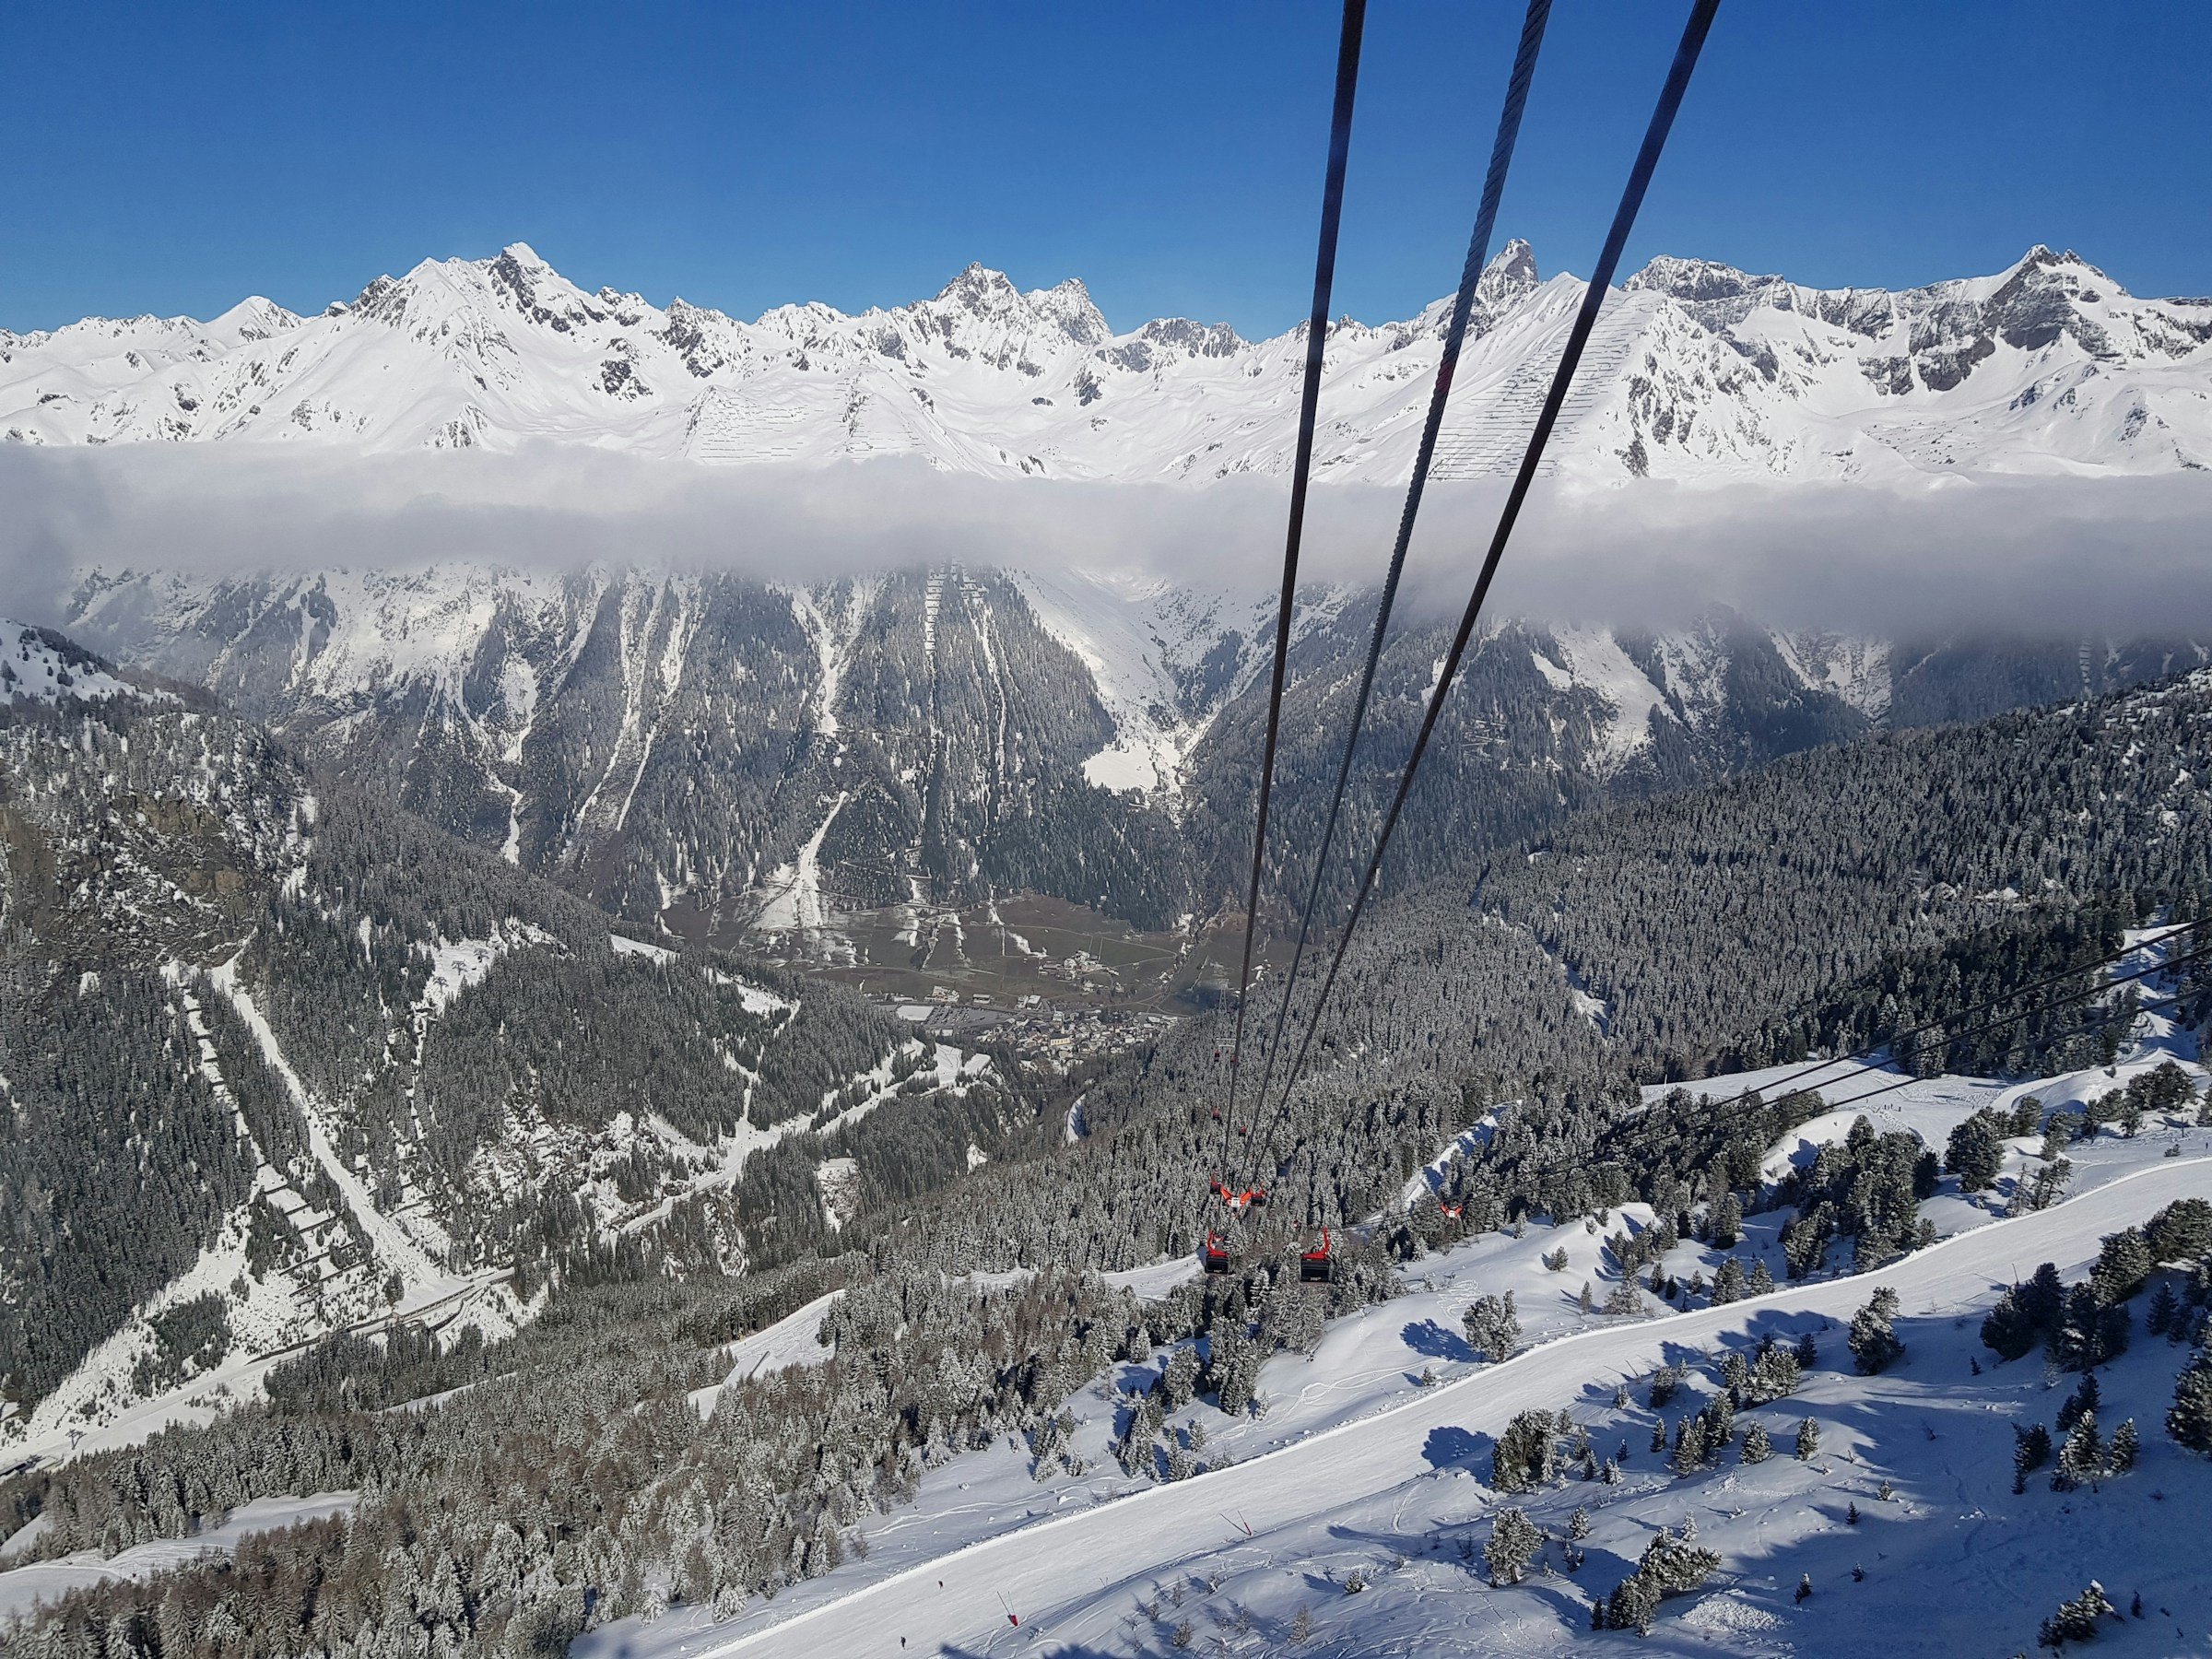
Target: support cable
2156,1006
1463,305
1855,1067
1317,340
1594,297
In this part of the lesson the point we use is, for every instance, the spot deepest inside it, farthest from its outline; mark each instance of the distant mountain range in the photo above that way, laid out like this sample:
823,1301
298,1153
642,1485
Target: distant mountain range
1697,371
712,754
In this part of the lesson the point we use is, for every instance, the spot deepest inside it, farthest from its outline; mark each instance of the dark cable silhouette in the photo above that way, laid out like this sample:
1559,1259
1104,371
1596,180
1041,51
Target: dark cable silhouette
1601,279
1478,252
1317,337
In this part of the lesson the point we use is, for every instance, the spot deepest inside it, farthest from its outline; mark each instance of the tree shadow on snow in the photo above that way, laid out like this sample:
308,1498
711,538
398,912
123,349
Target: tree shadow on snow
1431,1341
1451,1447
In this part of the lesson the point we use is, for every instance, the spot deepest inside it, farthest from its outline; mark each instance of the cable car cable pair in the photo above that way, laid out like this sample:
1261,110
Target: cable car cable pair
1463,305
1670,98
1317,338
1601,278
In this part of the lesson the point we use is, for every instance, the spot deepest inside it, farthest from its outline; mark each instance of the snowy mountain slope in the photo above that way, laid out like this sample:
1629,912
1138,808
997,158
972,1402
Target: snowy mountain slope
672,744
1699,372
1236,1551
276,1061
38,666
1374,1361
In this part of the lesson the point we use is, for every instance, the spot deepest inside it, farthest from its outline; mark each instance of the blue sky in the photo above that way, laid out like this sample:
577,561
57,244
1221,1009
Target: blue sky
175,158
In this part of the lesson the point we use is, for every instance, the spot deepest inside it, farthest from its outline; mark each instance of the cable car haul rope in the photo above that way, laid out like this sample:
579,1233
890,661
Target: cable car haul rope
1314,1262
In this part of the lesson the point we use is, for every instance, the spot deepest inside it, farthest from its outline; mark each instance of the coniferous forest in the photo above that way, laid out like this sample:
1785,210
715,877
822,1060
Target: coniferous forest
285,1063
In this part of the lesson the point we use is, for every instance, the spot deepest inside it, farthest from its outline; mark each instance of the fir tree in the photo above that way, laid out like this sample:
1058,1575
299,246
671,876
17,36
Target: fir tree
1727,1222
2081,1459
1524,1456
2190,1420
2165,1309
1514,1543
2030,1451
1975,1153
1809,1439
1493,1327
2123,1266
1875,1345
2126,1446
2086,1397
2181,1232
2090,1331
2076,1620
1758,1444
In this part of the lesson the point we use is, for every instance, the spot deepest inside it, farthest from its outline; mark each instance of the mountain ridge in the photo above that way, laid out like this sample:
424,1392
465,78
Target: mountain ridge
1698,371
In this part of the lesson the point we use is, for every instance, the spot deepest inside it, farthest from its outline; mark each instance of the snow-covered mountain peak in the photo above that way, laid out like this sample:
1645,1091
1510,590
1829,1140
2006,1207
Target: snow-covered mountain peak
981,290
1681,278
1068,305
1698,371
254,318
1512,274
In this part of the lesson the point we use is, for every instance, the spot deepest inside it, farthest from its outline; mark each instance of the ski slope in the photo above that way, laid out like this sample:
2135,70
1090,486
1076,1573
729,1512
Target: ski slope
1375,1487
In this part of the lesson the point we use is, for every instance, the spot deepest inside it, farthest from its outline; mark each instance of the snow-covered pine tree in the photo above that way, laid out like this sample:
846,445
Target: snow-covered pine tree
1514,1543
1875,1345
1727,1221
2030,1451
2128,1445
1525,1456
2165,1308
2190,1420
2086,1397
2076,1620
2081,1459
1493,1326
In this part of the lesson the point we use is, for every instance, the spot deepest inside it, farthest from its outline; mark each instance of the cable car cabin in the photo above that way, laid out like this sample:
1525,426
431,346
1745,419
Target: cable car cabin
1213,1256
1314,1265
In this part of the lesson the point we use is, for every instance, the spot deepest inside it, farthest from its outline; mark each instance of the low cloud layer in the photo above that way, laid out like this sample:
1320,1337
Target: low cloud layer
2060,555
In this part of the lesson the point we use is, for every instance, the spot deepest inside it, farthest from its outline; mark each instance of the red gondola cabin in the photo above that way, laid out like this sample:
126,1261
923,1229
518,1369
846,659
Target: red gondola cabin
1214,1257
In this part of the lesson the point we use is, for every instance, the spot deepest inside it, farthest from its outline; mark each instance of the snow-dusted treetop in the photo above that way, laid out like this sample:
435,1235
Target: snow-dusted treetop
1698,371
